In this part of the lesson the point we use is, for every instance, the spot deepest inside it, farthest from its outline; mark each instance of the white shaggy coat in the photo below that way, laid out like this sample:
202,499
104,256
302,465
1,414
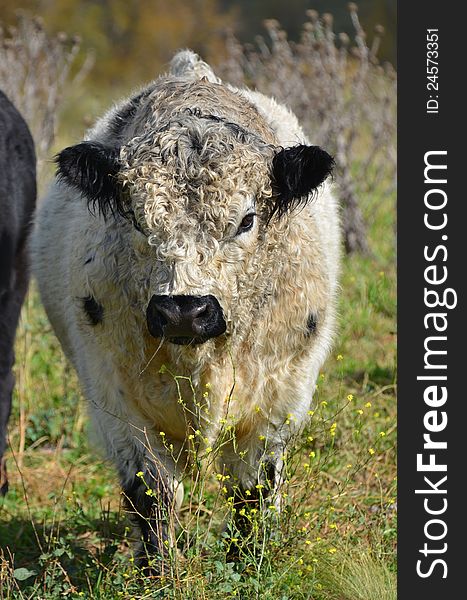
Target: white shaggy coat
257,381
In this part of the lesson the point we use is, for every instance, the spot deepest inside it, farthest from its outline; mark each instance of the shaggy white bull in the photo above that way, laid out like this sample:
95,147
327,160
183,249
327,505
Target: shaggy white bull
187,257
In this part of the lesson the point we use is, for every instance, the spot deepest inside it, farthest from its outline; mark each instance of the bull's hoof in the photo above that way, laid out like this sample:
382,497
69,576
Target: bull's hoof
233,553
152,563
3,478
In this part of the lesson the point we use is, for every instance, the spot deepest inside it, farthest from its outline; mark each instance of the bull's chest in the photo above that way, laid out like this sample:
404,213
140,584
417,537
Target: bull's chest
178,405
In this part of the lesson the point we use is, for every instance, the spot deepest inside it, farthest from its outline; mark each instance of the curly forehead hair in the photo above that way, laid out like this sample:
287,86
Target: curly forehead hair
194,162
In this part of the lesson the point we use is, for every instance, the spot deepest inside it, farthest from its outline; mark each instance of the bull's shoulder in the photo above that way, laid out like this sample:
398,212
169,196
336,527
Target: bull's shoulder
112,127
280,119
189,65
190,87
192,84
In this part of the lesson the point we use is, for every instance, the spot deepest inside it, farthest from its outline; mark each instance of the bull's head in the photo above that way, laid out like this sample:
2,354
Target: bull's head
201,198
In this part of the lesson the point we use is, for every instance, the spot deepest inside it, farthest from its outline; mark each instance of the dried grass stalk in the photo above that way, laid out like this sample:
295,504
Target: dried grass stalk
35,71
341,94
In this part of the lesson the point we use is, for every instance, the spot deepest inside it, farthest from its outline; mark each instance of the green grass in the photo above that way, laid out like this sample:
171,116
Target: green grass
63,532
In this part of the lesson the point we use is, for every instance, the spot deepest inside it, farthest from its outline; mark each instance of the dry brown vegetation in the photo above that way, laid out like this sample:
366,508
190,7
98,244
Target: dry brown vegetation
34,73
340,93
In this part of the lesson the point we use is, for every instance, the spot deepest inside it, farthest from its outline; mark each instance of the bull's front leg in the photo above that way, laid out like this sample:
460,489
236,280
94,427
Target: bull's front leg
253,474
149,499
146,470
147,482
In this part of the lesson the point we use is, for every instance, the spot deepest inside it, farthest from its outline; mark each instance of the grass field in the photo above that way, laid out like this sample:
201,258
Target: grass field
63,532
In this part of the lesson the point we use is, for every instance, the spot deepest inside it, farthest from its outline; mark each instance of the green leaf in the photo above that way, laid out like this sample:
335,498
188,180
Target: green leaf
44,557
22,574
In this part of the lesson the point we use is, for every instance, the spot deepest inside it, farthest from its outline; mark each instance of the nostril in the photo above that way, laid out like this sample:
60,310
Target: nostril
164,310
200,311
167,314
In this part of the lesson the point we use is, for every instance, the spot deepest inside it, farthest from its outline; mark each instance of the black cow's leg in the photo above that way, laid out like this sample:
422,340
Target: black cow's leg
150,503
7,337
10,308
6,389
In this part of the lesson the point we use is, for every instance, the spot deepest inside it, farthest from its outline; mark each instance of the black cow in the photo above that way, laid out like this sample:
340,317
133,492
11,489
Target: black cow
17,203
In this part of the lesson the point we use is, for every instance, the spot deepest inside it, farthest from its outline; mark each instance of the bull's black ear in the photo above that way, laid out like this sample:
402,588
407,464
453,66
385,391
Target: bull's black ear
91,168
297,172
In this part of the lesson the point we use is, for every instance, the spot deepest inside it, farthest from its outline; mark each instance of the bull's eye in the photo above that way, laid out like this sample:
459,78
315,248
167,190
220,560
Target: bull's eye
247,223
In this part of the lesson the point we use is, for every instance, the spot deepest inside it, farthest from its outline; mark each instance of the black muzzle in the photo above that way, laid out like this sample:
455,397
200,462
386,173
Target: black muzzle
185,319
